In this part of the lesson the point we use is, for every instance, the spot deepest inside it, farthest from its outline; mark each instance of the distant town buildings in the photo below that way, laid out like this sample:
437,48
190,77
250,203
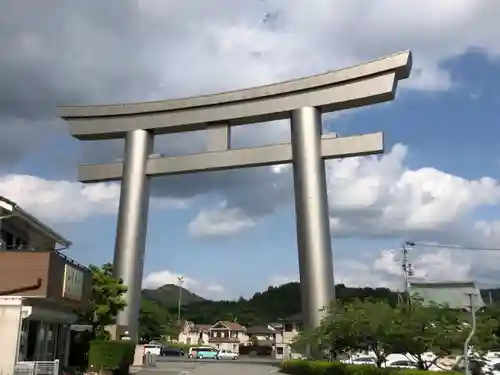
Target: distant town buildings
231,335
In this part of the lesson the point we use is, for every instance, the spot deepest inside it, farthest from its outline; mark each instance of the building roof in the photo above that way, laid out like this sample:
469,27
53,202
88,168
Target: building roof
201,327
231,325
255,330
295,318
13,209
454,294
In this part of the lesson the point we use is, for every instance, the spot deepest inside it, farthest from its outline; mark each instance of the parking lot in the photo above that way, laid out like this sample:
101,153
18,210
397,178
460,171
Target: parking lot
183,366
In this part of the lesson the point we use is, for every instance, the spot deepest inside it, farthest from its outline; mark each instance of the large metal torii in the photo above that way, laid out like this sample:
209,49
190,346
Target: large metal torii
302,101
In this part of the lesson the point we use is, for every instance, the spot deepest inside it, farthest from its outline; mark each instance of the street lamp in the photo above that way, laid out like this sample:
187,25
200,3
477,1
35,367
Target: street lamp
181,281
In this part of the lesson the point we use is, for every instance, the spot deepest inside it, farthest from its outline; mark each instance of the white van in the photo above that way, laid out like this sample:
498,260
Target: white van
154,349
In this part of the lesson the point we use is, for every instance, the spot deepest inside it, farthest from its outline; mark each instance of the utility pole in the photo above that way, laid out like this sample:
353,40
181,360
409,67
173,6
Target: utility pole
407,269
181,281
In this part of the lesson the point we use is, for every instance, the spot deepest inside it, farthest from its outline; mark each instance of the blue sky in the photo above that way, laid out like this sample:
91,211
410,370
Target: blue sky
233,234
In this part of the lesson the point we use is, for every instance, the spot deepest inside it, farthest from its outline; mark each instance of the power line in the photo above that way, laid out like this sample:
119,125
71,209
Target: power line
451,247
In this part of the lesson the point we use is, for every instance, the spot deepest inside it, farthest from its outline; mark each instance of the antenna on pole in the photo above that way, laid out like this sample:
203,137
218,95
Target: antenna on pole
407,269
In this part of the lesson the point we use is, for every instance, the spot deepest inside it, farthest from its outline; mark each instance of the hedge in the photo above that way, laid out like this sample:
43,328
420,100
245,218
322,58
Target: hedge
111,356
176,345
301,367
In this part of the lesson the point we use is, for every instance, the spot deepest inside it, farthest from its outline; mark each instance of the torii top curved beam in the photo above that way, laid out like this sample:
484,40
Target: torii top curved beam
364,84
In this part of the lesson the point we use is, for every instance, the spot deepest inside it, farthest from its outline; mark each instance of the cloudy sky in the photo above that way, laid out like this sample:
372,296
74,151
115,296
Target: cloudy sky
233,233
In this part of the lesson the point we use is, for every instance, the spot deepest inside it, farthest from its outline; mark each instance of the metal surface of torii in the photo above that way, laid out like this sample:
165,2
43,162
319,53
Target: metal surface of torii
302,101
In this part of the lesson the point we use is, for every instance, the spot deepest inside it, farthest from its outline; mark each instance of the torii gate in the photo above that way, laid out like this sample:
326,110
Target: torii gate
302,101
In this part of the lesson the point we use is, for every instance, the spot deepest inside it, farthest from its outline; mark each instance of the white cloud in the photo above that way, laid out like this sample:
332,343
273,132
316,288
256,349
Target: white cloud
384,268
282,38
159,278
267,40
65,201
214,288
381,197
208,290
220,221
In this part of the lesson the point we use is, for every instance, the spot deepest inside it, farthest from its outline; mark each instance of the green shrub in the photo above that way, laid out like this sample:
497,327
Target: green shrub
368,370
301,367
114,356
179,346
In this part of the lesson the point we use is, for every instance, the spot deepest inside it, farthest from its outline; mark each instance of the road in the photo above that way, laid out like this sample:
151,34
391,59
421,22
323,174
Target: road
179,366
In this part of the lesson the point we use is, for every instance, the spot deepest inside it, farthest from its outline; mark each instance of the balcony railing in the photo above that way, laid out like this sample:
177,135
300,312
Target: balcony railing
13,248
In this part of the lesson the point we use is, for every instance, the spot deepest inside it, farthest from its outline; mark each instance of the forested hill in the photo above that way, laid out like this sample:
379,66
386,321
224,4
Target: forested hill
168,295
271,305
263,307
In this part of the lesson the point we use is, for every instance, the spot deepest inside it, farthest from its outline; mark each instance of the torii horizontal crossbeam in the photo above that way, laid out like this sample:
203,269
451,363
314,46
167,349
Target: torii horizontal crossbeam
369,83
358,145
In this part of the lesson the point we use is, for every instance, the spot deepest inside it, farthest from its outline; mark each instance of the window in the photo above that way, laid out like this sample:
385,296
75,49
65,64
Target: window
234,347
363,359
279,350
51,342
8,239
234,334
401,363
23,341
288,327
41,343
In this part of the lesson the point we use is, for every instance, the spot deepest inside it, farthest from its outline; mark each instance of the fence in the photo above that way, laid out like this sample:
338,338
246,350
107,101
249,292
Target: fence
37,368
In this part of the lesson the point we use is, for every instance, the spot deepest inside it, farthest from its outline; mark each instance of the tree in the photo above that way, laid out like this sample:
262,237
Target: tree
355,326
487,334
377,327
154,322
106,300
412,329
418,329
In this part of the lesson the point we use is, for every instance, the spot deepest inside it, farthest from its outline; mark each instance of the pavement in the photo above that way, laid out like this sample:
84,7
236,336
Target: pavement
180,366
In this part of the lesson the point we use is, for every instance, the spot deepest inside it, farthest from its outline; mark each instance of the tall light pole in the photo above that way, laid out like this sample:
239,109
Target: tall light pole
181,281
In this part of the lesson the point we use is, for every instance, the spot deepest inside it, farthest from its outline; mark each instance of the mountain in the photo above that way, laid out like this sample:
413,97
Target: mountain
263,307
271,305
167,296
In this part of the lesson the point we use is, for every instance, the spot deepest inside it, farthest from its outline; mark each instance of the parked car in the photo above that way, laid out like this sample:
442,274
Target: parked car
360,361
202,352
227,354
152,349
172,352
400,363
476,366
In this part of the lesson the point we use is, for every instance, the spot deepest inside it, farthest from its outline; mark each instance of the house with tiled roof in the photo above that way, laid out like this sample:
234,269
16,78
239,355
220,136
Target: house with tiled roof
231,335
287,328
192,333
263,335
228,335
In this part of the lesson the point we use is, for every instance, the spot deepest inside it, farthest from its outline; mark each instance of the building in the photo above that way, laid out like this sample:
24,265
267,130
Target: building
232,335
223,335
40,290
196,334
288,329
228,335
263,335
